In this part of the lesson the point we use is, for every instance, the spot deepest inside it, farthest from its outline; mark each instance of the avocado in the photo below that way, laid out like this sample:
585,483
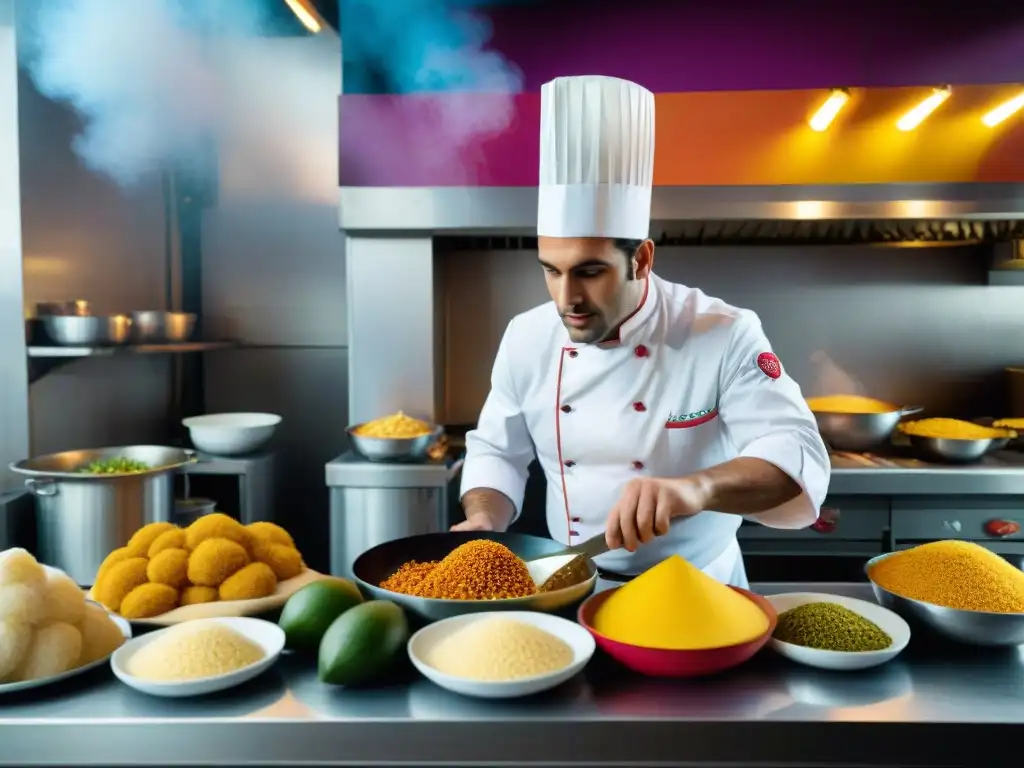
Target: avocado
362,643
310,611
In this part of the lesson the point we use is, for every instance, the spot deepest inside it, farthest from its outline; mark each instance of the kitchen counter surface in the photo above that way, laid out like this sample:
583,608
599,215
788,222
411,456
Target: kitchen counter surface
934,705
999,474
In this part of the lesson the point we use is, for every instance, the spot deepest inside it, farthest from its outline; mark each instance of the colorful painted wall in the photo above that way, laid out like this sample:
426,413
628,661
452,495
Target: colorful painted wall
734,81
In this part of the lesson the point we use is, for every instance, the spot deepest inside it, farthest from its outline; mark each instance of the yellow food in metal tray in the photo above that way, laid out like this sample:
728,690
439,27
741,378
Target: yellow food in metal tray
396,426
849,404
953,429
1014,424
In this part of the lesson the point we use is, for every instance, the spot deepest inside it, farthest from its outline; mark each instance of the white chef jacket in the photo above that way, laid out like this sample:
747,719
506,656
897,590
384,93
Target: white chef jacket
689,383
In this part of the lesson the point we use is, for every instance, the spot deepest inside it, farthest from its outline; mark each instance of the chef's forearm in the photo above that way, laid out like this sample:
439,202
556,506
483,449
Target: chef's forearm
498,508
747,486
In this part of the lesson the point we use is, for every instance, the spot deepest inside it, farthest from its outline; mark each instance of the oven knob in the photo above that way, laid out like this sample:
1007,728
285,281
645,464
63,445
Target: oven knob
952,525
828,520
1002,527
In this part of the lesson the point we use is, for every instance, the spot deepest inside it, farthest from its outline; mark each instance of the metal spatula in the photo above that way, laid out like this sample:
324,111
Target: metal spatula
568,567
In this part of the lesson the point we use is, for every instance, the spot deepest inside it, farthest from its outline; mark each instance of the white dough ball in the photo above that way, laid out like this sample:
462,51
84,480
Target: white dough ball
15,640
55,649
17,566
21,602
100,635
63,600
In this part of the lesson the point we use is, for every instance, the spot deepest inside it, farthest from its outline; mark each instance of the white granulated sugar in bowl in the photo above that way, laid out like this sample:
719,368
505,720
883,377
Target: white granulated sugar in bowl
193,650
499,649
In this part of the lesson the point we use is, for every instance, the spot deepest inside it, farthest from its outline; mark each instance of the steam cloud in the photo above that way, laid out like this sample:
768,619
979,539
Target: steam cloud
147,77
140,73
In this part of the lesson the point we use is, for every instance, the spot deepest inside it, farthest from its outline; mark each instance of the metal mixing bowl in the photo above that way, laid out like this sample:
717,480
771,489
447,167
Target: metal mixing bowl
952,451
155,326
973,627
75,331
859,432
393,448
375,565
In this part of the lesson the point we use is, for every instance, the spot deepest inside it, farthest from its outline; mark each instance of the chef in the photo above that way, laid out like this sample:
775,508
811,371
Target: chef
660,415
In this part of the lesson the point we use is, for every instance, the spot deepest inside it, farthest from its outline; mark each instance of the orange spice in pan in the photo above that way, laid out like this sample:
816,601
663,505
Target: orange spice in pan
477,570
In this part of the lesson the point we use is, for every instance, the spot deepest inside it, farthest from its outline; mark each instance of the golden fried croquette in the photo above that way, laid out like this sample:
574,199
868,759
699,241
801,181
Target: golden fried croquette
138,545
268,533
216,525
214,560
149,600
195,595
167,540
169,567
120,579
285,562
109,561
253,581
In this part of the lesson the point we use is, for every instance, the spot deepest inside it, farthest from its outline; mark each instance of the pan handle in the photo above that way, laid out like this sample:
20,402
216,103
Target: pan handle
910,410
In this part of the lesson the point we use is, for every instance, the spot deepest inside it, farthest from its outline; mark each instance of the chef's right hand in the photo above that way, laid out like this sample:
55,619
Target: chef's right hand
478,521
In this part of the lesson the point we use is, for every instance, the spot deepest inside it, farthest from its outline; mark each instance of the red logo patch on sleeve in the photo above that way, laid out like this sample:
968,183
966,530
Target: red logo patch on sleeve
769,365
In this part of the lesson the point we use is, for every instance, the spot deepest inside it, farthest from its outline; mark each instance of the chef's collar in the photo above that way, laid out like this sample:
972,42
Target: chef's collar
635,324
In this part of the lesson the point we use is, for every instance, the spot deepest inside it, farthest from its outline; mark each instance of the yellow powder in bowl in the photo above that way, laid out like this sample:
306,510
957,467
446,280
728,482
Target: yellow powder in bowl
499,649
675,606
193,650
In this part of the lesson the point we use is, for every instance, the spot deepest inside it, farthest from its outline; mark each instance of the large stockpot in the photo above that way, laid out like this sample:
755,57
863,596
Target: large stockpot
81,518
859,431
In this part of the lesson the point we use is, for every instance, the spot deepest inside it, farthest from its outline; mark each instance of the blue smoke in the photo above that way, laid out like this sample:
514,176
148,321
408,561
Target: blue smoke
418,46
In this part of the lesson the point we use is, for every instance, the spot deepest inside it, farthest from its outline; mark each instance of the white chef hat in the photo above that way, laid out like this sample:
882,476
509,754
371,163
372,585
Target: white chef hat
596,158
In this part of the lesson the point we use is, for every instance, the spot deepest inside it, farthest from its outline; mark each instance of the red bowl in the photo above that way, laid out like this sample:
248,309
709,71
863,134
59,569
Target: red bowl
657,662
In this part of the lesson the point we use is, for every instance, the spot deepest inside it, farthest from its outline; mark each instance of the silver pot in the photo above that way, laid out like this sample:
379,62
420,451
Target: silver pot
154,326
81,518
859,431
72,331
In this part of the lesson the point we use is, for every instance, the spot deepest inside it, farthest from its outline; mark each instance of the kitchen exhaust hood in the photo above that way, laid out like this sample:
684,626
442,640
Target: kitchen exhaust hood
777,215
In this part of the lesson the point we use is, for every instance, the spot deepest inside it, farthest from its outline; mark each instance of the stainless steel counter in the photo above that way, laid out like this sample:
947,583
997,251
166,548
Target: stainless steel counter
1000,474
935,705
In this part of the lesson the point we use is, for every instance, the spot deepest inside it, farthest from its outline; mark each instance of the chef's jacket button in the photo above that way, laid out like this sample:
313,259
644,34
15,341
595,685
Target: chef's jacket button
573,353
639,407
638,465
566,408
575,519
570,463
640,351
574,533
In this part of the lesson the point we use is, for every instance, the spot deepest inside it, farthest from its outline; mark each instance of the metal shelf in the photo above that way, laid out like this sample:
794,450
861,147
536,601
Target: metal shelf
45,358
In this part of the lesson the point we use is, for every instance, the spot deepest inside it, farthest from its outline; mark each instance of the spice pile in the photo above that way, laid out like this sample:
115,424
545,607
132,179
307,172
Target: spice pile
215,558
194,650
953,429
477,570
830,627
953,574
849,404
675,606
499,649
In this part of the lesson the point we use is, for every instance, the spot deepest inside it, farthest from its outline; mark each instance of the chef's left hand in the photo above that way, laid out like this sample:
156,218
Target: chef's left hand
647,507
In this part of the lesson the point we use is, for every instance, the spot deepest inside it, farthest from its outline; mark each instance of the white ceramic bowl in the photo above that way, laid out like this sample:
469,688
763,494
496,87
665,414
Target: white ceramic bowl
893,625
231,434
265,634
578,638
